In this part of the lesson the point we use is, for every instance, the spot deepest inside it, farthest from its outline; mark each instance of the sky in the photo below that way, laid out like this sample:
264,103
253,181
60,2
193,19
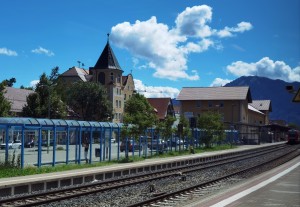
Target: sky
164,44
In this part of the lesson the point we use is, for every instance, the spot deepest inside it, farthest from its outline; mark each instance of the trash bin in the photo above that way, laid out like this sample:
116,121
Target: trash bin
97,152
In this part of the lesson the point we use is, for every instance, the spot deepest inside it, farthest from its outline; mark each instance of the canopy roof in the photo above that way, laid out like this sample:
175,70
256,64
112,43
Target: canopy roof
17,121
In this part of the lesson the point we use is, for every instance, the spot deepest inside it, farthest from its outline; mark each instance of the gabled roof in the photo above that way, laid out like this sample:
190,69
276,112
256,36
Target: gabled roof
17,97
77,72
262,105
161,105
107,59
125,79
251,108
215,93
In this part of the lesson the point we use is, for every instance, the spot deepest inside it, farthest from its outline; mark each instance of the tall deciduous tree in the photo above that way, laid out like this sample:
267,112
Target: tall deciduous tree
186,131
213,128
90,100
165,127
46,102
139,114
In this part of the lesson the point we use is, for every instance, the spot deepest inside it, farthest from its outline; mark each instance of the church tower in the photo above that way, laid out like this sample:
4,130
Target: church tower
108,73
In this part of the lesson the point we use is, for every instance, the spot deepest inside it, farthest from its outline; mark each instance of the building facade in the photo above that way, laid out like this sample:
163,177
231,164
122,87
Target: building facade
108,73
234,104
230,102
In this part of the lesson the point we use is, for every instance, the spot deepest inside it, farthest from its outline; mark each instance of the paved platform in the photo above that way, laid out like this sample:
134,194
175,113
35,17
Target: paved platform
31,183
279,187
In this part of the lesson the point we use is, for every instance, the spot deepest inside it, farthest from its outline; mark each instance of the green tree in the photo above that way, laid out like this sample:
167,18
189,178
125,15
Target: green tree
9,82
213,128
46,102
165,127
90,100
5,105
186,131
28,88
139,114
32,108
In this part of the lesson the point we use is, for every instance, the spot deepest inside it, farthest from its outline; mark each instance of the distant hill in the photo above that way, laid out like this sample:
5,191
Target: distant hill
267,89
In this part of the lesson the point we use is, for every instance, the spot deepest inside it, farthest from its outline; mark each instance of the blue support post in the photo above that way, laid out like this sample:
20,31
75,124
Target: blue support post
6,143
91,137
133,143
138,146
109,141
119,135
104,144
67,145
22,150
101,142
76,145
39,161
80,141
54,146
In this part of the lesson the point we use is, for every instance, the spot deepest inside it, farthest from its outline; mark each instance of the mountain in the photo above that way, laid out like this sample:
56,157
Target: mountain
275,90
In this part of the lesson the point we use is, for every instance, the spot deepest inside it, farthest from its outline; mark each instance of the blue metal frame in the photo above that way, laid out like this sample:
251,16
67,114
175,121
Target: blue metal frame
69,127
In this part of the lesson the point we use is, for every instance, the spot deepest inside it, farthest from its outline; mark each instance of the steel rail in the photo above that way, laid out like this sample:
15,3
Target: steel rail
56,195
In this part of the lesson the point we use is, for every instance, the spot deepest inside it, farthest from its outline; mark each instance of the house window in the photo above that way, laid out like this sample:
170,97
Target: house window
119,79
210,104
221,104
117,103
124,96
112,76
101,78
198,103
120,104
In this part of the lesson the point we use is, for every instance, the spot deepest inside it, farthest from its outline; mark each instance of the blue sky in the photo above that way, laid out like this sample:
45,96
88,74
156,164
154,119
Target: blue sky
166,44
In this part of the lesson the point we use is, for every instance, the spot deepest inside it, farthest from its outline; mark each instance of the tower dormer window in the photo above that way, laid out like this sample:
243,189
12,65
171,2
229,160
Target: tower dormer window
112,76
101,78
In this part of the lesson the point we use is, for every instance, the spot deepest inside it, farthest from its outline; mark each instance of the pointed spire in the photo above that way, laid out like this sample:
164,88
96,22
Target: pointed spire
107,59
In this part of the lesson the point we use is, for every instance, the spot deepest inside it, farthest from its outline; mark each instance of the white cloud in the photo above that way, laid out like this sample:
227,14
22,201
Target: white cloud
265,68
219,82
33,83
155,91
8,52
193,21
165,49
240,28
44,51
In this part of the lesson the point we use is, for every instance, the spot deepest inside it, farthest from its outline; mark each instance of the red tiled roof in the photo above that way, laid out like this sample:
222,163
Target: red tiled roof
161,105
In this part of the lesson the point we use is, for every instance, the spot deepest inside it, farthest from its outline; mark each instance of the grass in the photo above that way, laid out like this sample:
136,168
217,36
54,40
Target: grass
12,169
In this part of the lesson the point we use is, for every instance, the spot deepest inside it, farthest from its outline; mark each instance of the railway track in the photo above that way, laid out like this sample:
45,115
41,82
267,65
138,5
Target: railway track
185,195
96,187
